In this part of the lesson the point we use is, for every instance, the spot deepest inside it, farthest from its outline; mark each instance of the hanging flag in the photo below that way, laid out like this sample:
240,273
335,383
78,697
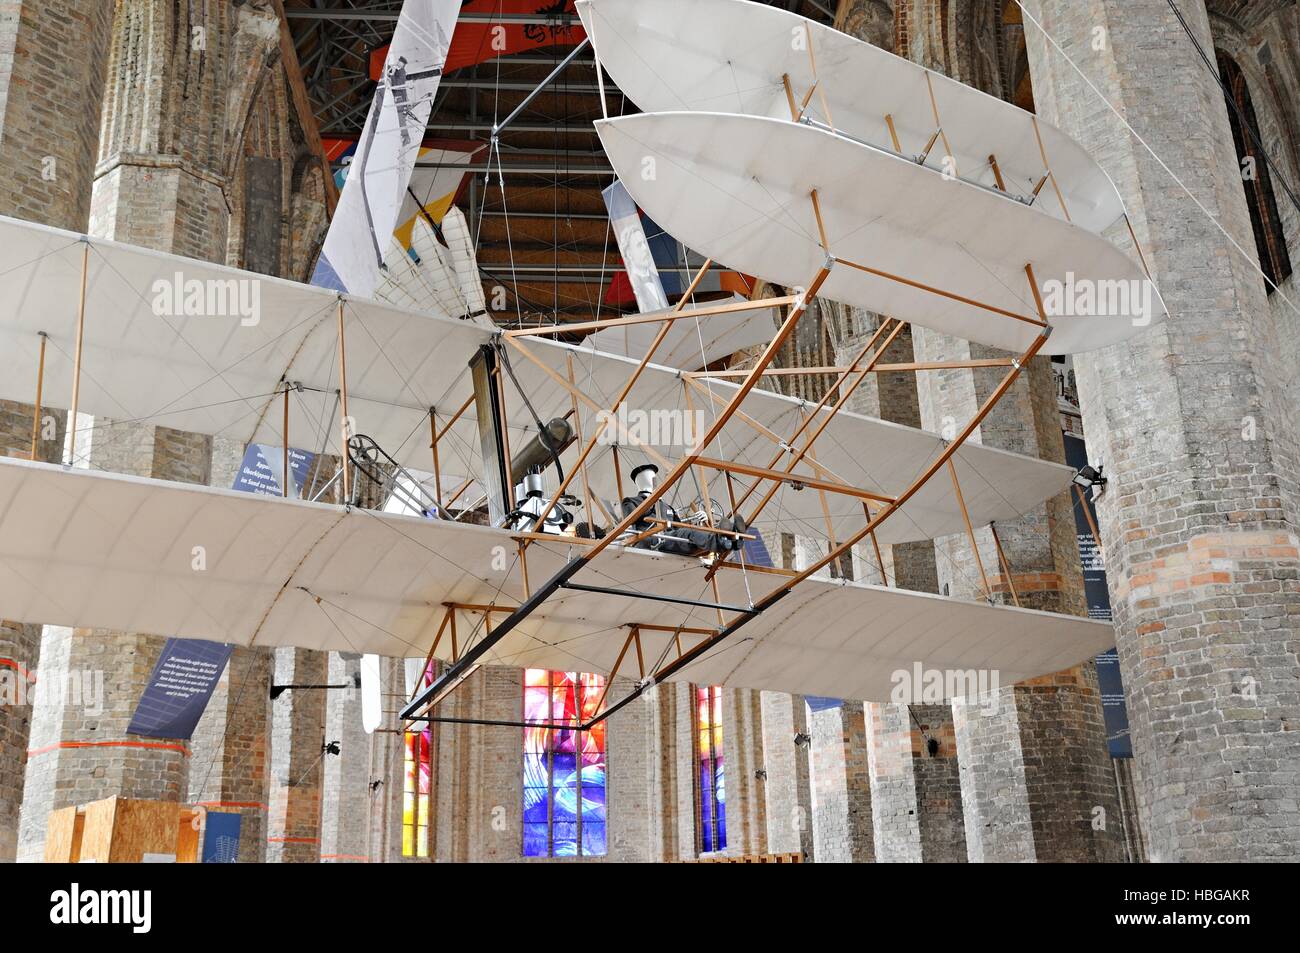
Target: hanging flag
433,190
481,41
184,678
367,215
638,256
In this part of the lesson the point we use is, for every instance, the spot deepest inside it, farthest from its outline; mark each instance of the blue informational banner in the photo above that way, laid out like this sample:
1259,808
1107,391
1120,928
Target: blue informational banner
263,470
221,837
1113,707
754,552
179,688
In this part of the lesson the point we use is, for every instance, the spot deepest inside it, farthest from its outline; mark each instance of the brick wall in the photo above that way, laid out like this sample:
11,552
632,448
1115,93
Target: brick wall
1196,430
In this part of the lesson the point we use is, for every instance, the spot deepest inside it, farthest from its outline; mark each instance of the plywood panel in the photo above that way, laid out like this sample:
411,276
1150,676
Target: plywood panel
60,837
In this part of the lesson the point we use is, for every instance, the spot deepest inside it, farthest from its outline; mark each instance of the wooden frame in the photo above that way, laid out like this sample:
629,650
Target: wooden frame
787,454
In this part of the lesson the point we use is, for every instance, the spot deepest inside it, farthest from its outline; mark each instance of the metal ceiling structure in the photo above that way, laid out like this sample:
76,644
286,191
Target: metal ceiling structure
535,207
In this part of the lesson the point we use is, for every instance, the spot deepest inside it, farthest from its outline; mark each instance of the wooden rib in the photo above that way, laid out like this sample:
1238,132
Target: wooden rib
893,133
789,97
934,108
812,59
1042,151
821,225
880,560
1006,565
970,530
437,468
940,292
878,369
40,385
577,423
1087,515
1137,245
997,172
677,314
783,476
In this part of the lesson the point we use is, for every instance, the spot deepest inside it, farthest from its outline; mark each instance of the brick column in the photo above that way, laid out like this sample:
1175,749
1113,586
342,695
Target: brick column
841,786
742,747
1191,420
181,82
297,758
345,803
1055,722
91,679
49,123
52,60
787,783
916,792
20,645
229,769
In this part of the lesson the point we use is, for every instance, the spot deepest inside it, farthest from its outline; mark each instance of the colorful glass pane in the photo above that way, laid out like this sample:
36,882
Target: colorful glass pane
564,769
417,784
711,778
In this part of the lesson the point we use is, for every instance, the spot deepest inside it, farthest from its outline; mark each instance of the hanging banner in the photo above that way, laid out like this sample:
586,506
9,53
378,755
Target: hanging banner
178,690
263,470
638,257
479,41
221,831
367,215
1113,707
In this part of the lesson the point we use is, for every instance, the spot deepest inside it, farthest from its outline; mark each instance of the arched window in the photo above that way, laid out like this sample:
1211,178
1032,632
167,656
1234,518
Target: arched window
1264,219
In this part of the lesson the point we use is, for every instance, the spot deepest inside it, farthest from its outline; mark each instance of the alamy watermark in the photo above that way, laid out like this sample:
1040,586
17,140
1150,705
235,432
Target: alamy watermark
1108,298
935,686
81,688
179,296
655,428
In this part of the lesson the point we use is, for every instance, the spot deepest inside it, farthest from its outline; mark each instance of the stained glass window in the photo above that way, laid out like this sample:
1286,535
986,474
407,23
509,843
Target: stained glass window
711,776
564,769
417,784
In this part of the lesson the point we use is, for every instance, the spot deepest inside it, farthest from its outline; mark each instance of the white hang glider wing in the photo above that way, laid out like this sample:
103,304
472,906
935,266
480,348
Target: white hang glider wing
732,55
144,358
737,189
98,550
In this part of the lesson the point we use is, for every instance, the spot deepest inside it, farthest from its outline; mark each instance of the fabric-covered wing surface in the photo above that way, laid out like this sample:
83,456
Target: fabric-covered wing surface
737,188
729,56
103,551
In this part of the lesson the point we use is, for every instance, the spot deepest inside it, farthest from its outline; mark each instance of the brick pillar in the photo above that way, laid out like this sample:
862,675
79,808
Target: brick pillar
742,747
20,645
841,786
180,83
631,795
229,769
787,783
52,60
672,767
297,736
1056,721
1200,521
79,749
916,793
345,802
49,111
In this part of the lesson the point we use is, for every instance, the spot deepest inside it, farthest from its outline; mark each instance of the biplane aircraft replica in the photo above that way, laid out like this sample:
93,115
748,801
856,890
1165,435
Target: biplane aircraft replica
513,515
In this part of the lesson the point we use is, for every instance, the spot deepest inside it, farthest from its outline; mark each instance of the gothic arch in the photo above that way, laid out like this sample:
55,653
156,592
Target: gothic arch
1249,125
